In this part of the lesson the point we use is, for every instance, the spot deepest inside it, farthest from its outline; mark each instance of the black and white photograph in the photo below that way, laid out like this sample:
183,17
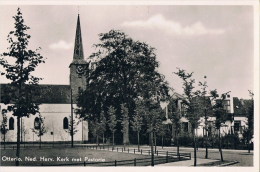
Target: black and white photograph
129,84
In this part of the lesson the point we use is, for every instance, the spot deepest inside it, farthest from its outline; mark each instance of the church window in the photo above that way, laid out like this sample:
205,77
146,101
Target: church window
37,123
65,123
11,123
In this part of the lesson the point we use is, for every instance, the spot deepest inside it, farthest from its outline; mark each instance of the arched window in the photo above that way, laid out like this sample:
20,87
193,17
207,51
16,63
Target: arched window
37,123
11,123
65,123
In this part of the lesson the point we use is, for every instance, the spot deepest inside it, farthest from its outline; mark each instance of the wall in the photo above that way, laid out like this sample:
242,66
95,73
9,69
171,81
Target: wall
53,120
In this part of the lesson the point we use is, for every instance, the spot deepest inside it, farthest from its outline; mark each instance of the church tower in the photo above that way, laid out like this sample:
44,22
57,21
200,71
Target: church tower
78,66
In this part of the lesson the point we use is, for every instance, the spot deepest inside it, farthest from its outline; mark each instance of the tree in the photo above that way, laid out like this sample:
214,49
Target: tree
39,128
249,131
219,112
20,73
72,127
175,117
191,104
4,128
123,69
112,122
161,130
204,110
102,126
137,123
125,124
94,128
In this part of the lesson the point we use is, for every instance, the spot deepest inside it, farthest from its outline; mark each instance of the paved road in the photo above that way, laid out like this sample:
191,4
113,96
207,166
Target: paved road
244,158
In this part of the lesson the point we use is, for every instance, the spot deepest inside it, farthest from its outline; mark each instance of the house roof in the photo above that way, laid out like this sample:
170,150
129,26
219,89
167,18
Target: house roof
56,94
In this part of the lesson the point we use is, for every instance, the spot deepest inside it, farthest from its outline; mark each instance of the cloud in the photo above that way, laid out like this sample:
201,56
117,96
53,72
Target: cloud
158,22
61,45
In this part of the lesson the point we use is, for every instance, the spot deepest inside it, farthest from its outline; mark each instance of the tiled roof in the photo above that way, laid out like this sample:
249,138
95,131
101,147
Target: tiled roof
57,94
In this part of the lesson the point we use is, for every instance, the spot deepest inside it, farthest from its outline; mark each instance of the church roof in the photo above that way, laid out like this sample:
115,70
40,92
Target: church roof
78,56
53,94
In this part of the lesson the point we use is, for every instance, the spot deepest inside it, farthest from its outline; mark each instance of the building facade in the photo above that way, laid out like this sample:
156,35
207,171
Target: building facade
57,104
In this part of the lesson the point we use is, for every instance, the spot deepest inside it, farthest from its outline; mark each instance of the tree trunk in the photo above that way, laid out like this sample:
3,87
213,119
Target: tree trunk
97,140
103,140
206,144
220,148
177,142
162,142
138,141
155,143
113,139
195,148
4,138
152,152
18,141
40,141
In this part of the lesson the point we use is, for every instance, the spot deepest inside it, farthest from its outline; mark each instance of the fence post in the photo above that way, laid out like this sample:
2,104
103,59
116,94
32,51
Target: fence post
134,151
84,163
141,151
135,162
149,152
179,156
128,150
190,155
115,163
157,153
167,157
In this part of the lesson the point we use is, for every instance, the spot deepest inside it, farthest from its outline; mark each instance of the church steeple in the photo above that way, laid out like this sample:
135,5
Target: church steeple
78,67
78,47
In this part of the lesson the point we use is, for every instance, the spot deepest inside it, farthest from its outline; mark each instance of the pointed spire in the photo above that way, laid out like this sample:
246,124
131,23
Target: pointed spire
78,47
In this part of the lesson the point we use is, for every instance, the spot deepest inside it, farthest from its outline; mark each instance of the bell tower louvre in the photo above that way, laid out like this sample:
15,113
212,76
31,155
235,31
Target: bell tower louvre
78,66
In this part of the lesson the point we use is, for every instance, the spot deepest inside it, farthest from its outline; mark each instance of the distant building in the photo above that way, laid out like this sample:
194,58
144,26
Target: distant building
55,104
235,121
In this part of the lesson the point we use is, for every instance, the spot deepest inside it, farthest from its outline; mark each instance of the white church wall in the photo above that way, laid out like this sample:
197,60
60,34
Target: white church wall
53,120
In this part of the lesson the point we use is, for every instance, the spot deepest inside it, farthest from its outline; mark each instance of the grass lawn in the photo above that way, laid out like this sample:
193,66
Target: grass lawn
55,156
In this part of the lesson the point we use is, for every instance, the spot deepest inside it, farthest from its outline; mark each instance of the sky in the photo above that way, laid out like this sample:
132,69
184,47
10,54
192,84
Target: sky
214,41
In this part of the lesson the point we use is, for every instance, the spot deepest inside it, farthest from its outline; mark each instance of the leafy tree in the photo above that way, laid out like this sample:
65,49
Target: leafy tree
94,128
72,128
4,128
137,123
249,131
20,73
204,109
191,104
175,117
102,126
125,124
161,130
123,69
40,129
112,122
219,112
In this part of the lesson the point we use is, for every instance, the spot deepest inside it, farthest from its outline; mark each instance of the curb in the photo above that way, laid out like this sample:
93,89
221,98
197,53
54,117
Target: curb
228,164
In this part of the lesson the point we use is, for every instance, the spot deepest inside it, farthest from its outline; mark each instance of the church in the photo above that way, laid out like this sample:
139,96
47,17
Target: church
57,104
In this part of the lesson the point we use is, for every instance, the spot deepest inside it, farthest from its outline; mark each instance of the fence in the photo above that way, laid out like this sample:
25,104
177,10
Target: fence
159,157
